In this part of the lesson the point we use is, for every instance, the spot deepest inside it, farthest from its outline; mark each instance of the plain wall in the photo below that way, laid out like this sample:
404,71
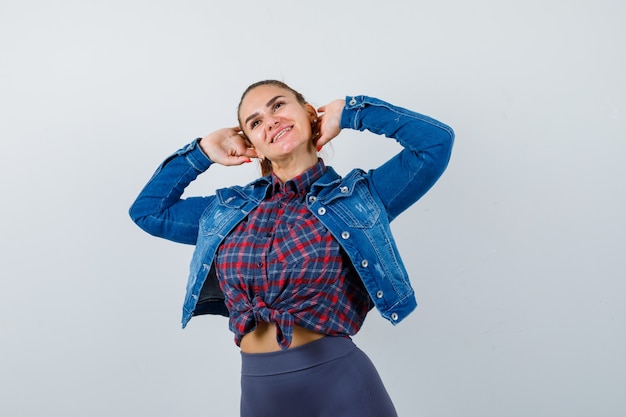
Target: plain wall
516,254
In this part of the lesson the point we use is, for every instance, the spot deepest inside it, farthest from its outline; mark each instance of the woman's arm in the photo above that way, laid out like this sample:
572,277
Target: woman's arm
159,208
427,143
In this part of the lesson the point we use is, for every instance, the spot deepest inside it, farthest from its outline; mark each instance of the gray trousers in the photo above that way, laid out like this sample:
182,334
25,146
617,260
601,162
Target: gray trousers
329,377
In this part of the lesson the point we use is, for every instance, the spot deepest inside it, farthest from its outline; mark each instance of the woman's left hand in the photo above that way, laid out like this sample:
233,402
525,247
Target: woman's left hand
330,121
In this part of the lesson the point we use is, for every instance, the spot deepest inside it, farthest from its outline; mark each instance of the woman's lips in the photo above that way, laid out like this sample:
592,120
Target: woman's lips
281,133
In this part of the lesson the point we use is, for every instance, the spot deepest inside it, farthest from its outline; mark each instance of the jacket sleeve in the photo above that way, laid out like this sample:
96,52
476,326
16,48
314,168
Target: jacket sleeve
427,143
159,208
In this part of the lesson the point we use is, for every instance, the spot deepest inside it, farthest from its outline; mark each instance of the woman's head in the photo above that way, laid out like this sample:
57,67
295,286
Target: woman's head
278,122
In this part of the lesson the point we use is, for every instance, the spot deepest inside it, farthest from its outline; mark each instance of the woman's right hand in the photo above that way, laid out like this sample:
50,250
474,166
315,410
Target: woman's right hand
228,147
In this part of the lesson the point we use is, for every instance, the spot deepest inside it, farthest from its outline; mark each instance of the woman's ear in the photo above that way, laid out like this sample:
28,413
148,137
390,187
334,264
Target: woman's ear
258,152
312,112
314,119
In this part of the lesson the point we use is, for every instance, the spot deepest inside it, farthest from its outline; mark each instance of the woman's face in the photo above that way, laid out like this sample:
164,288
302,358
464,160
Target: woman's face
276,123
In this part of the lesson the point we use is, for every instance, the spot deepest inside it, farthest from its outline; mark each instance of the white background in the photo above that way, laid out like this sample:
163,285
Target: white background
516,254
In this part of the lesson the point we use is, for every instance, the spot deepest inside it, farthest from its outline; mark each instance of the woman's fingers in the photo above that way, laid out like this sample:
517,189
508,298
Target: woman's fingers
228,147
330,121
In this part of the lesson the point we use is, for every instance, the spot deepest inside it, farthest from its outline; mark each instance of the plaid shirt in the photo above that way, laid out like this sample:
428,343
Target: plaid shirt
282,266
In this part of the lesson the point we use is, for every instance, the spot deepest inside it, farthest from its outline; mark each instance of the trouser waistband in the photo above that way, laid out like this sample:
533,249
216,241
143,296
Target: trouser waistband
311,354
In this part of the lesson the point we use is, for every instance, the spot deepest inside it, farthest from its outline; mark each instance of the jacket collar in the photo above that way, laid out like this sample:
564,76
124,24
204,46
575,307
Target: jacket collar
329,178
325,187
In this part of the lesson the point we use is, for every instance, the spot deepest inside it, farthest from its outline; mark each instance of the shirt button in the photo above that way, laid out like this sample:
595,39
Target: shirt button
379,294
321,211
353,101
344,189
364,264
394,316
260,264
312,199
345,235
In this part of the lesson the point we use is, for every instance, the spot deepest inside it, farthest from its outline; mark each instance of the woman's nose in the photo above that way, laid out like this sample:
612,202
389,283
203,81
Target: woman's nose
272,123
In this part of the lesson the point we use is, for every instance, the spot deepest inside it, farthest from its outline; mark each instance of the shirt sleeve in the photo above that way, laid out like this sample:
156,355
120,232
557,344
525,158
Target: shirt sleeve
427,143
159,208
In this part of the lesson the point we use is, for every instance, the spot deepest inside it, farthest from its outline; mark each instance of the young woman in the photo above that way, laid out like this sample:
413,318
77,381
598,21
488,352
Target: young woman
297,258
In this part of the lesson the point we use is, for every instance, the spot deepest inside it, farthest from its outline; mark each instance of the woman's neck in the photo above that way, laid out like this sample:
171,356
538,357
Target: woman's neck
291,168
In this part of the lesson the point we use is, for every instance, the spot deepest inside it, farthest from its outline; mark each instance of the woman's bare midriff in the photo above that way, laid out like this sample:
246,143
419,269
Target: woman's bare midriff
263,338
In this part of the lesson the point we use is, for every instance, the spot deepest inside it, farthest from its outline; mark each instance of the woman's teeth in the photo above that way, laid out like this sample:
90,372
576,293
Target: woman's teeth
282,132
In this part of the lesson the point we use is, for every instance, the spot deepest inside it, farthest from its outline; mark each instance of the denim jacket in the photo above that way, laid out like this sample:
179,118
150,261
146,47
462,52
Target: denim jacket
357,209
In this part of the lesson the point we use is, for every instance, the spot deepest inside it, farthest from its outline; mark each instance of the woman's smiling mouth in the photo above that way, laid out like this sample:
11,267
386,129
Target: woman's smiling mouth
280,134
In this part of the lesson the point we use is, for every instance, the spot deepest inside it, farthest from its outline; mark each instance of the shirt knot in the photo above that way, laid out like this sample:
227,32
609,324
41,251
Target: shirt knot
284,321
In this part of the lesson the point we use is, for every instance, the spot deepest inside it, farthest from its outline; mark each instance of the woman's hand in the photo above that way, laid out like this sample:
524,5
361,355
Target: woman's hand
228,147
330,121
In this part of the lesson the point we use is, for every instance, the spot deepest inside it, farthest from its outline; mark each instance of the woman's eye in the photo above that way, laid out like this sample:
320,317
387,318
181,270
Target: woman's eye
278,105
254,124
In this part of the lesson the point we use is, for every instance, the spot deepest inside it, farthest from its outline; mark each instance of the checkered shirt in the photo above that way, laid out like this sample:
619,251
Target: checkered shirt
281,265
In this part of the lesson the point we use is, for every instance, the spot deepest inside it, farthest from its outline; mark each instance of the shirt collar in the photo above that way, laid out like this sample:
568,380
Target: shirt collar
302,183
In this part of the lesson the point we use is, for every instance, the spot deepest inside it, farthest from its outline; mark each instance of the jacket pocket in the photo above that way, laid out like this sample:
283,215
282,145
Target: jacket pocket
356,207
215,218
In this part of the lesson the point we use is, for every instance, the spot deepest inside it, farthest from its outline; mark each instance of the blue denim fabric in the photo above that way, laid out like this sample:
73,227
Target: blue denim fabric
357,208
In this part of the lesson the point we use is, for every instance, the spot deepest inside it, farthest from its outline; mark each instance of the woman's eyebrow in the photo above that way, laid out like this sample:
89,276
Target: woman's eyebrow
268,104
